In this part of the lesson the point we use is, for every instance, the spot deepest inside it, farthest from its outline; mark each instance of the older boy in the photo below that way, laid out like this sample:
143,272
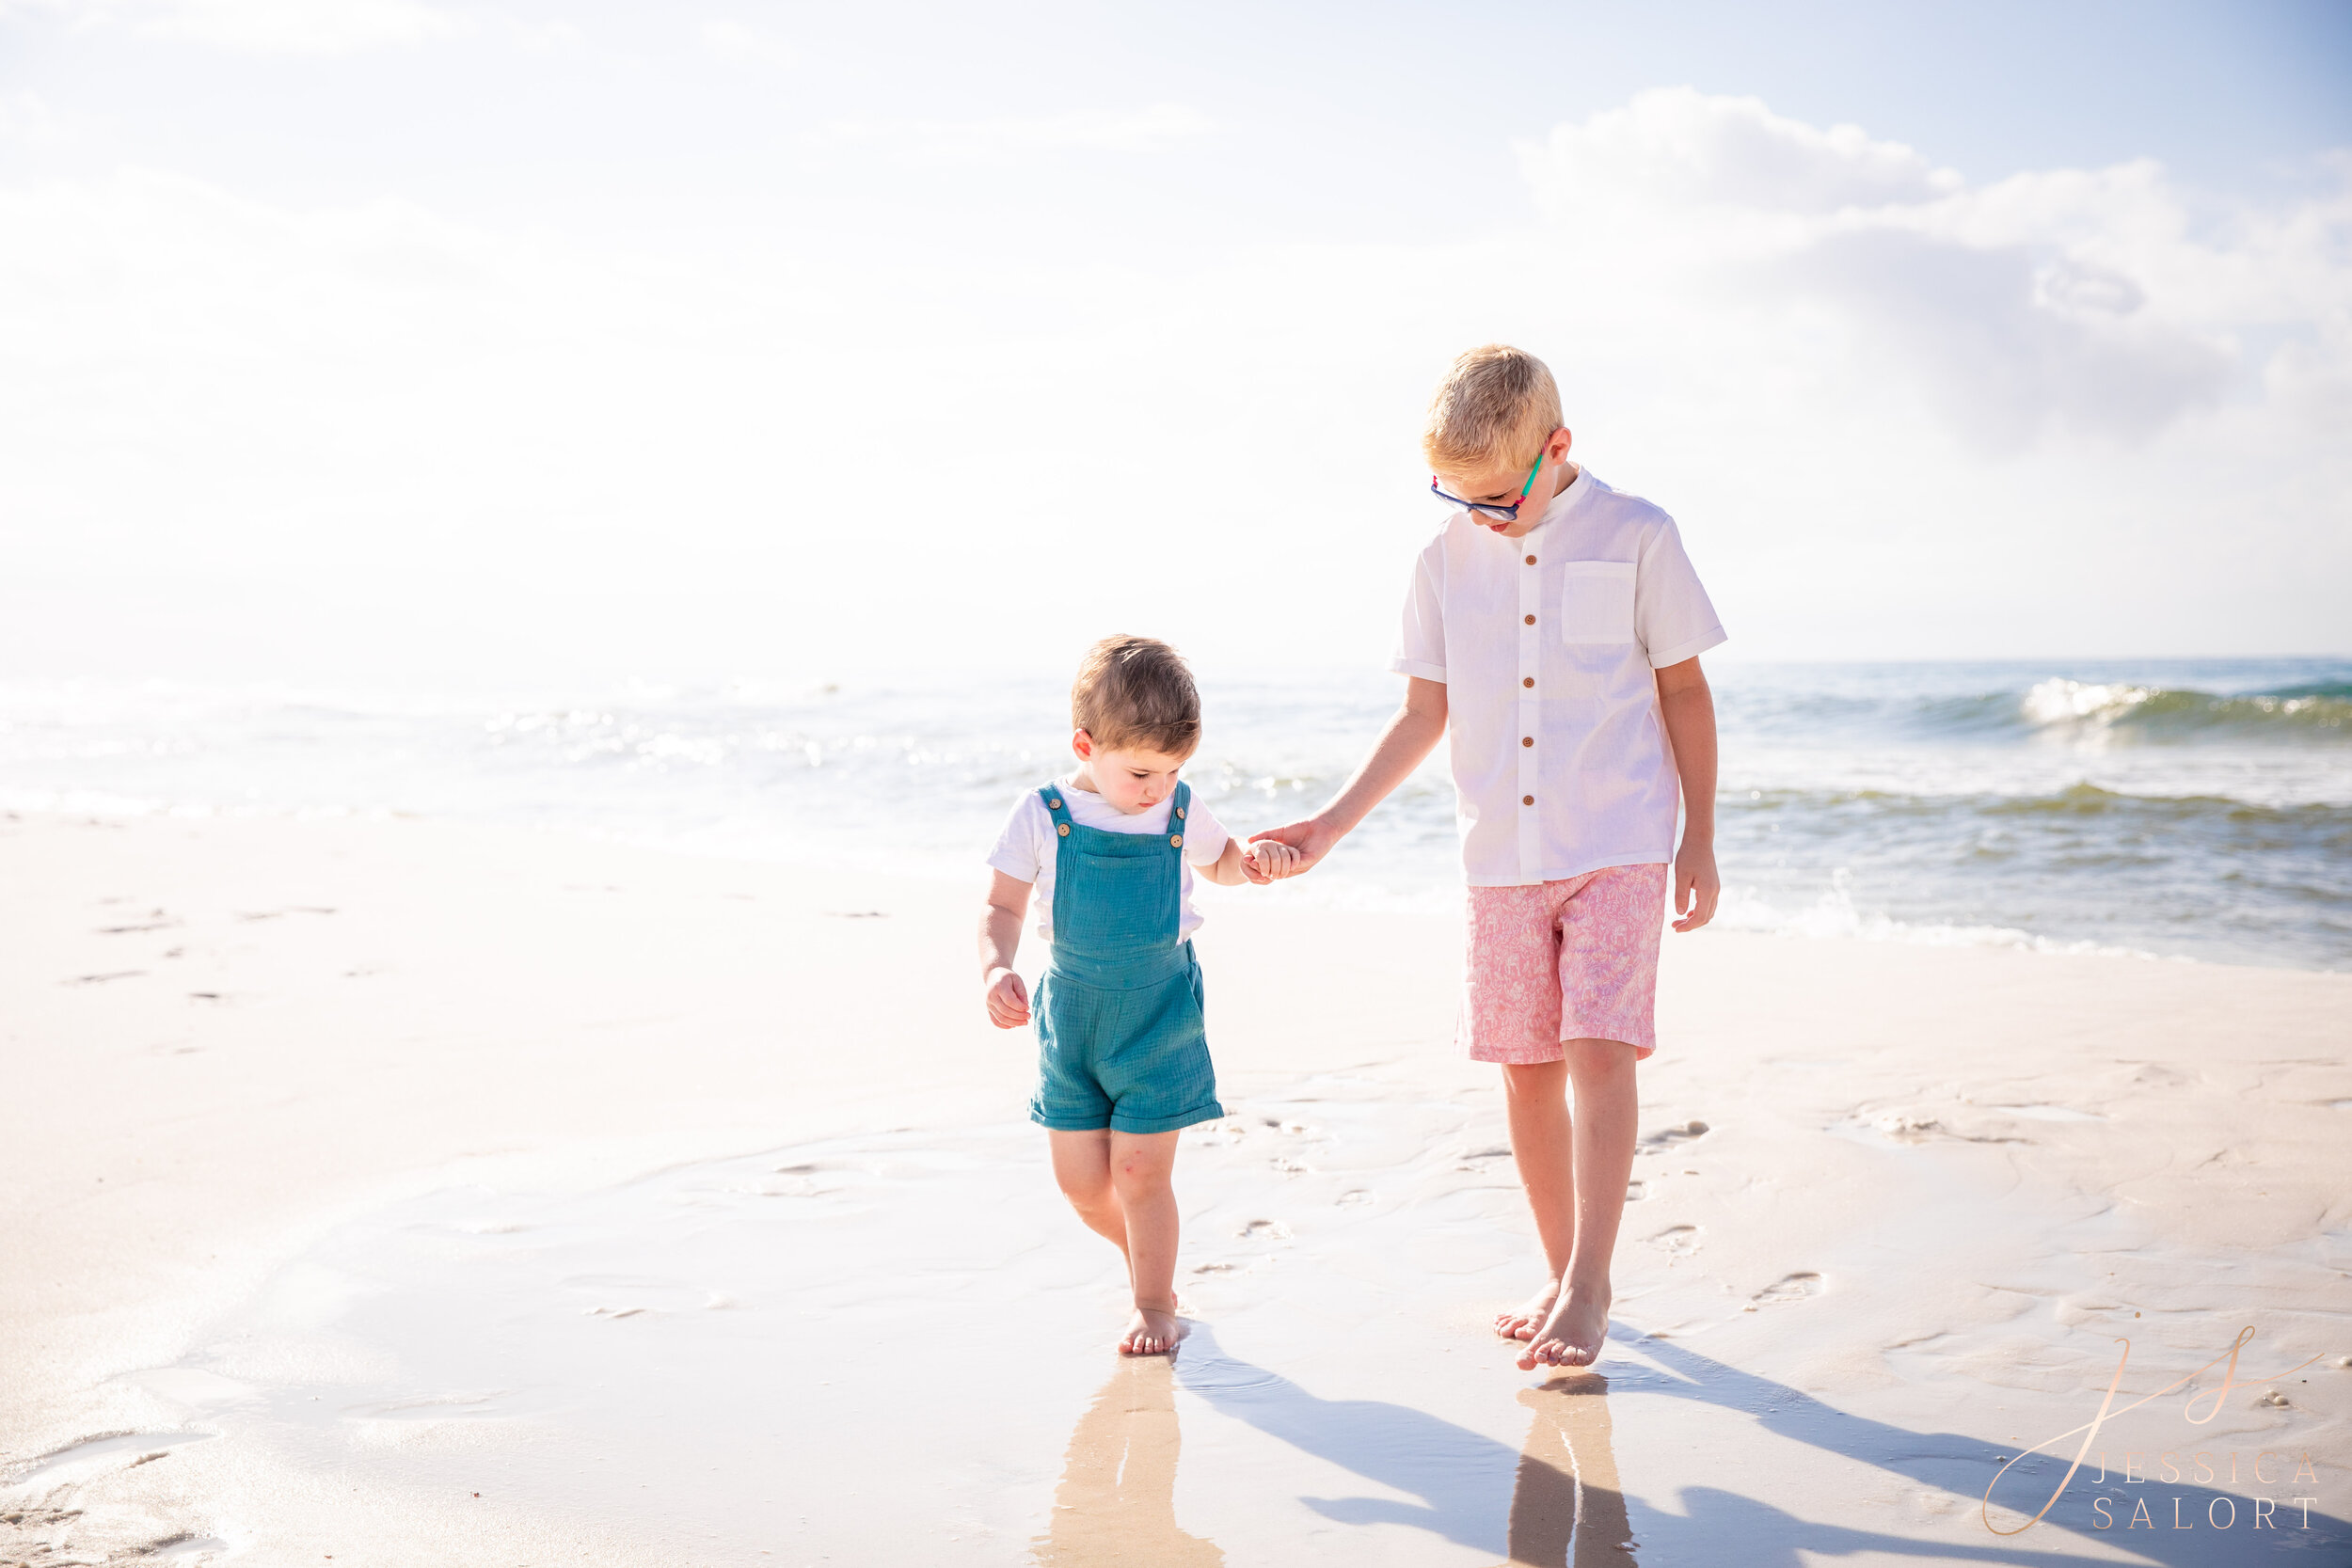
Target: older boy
1554,624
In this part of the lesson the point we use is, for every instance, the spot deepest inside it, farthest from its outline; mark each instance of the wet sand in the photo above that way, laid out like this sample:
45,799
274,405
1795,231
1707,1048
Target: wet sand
410,1194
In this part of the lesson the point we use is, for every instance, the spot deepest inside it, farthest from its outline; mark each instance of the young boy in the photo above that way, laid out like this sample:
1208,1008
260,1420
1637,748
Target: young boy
1122,1058
1554,625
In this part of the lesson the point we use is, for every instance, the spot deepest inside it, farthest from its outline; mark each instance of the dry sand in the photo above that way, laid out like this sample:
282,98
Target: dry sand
399,1193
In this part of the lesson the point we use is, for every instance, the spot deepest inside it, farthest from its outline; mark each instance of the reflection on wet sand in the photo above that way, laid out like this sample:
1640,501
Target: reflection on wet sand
1567,1494
1116,1502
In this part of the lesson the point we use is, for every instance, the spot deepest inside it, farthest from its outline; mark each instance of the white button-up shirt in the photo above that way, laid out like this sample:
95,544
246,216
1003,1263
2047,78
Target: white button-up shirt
1546,644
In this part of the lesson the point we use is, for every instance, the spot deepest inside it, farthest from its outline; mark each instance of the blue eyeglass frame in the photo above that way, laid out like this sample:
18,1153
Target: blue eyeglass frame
1504,513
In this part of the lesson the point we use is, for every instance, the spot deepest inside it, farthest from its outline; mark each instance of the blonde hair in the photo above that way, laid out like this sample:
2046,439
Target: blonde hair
1495,403
1136,693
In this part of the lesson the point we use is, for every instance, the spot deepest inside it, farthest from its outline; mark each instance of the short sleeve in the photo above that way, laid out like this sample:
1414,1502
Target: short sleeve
1672,614
1204,836
1421,641
1020,851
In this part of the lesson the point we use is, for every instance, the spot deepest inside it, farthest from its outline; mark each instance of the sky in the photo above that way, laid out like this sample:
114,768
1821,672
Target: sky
411,340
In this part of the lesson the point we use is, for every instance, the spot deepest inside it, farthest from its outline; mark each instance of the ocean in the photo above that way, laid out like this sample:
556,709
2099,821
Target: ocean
2191,808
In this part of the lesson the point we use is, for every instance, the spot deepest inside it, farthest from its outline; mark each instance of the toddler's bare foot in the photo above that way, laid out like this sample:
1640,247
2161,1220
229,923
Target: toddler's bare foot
1571,1335
1152,1332
1521,1321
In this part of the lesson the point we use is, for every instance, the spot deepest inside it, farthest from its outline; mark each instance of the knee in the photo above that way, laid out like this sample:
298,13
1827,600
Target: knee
1532,1080
1136,1177
1596,1061
1088,1190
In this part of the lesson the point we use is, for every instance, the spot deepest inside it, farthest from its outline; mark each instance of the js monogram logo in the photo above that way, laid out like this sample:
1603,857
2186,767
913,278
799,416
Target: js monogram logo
2266,1464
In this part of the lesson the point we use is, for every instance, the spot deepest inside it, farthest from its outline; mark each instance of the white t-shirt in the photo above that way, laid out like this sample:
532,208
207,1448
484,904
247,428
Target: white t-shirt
1547,644
1028,846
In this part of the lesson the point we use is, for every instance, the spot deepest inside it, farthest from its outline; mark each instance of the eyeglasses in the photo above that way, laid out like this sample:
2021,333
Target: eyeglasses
1486,509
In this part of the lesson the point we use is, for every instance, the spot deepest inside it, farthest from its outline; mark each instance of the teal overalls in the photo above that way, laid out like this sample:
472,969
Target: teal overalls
1121,1041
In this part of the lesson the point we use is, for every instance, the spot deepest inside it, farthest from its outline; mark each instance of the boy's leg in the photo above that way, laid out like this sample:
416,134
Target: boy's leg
1082,1168
1606,1117
1536,1099
1141,1165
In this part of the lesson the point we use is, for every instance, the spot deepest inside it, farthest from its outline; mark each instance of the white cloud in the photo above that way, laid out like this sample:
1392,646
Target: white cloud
739,41
262,27
2090,301
1897,415
1157,129
1673,148
27,119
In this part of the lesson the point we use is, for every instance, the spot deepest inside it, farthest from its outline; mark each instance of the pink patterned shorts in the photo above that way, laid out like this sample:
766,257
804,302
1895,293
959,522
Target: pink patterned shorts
1572,960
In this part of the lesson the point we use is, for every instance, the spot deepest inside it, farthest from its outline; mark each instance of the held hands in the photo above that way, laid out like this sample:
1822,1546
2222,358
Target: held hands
1292,848
1008,999
1270,860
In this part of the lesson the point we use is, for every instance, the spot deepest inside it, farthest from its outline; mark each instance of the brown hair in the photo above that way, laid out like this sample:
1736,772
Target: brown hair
1136,693
1494,403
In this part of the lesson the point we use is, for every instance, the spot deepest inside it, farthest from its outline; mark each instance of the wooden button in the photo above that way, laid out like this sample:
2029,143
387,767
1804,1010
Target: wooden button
1527,800
1056,804
1179,812
1062,828
1528,681
1531,620
1531,560
1176,839
1527,740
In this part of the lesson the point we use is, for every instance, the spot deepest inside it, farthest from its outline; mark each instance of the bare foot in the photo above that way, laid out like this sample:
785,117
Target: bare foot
1521,1321
1152,1332
1572,1335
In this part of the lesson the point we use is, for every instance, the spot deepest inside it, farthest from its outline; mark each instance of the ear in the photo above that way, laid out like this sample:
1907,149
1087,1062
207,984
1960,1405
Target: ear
1562,439
1083,744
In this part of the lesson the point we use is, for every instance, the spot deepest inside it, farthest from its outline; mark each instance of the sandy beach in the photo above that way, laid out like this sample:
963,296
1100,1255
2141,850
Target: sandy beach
400,1192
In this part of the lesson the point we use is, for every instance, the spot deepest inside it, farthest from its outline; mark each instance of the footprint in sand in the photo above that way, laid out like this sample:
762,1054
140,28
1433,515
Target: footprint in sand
1788,1286
1680,1239
140,1447
157,921
1356,1197
1636,1191
1683,1134
183,1546
1265,1231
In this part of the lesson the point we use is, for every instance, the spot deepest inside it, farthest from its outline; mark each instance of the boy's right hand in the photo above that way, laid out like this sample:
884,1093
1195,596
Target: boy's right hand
1008,999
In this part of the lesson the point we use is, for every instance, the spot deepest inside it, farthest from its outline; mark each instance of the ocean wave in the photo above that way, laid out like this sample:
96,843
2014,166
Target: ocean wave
2314,711
1834,914
2330,820
2026,707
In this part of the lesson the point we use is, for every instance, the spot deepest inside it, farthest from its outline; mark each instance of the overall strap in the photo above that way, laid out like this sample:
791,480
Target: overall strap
1056,807
1176,814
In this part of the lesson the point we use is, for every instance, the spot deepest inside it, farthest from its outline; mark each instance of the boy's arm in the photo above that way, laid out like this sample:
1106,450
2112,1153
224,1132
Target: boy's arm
1410,737
1226,870
1689,709
1008,999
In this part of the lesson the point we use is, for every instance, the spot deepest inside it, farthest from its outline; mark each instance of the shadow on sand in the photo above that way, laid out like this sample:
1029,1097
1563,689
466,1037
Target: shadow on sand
1565,1505
1961,1466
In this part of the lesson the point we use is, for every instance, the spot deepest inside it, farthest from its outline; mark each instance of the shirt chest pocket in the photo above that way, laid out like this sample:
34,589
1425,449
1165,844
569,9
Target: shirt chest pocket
1596,601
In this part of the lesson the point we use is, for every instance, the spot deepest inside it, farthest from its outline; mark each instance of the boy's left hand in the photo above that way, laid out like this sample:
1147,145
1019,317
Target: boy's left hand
1696,886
